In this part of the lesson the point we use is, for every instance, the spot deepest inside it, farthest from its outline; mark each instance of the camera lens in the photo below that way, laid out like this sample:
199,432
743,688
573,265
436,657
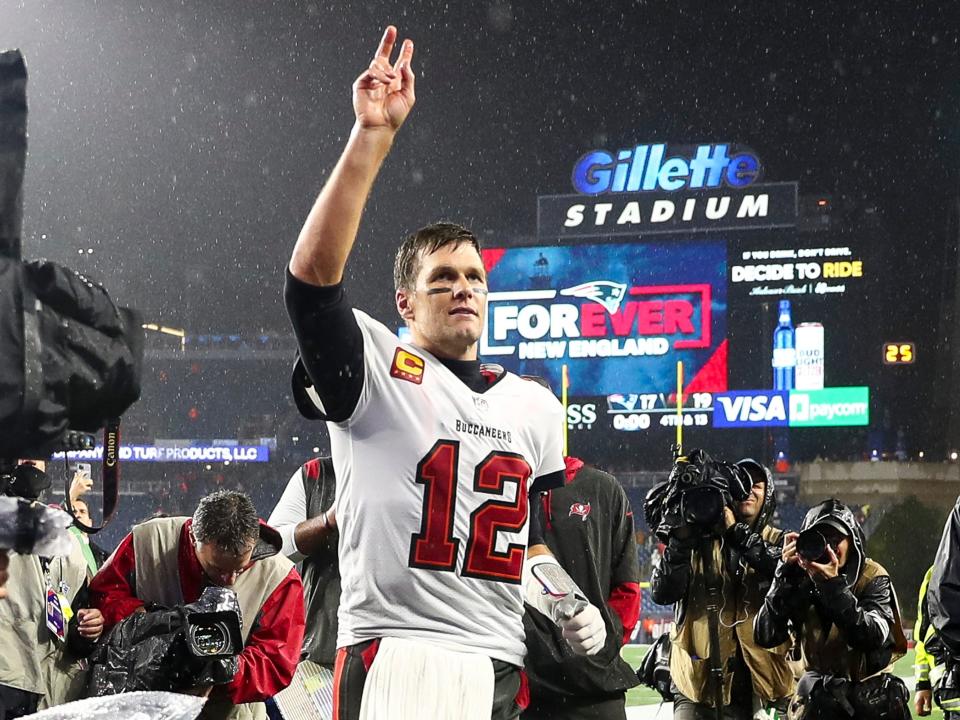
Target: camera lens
702,506
210,639
689,476
812,546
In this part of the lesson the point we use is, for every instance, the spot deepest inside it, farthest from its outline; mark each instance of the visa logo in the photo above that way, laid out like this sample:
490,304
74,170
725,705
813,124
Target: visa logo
744,409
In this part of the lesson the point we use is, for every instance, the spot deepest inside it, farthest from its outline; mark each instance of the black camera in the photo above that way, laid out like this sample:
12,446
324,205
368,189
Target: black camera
812,545
27,526
214,624
26,481
171,649
694,496
813,542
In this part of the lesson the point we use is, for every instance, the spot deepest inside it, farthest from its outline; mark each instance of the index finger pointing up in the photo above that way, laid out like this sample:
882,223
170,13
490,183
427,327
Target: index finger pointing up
386,42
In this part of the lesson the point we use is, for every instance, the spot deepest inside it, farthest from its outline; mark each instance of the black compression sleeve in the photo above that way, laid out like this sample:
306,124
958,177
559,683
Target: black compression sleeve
550,481
537,534
330,342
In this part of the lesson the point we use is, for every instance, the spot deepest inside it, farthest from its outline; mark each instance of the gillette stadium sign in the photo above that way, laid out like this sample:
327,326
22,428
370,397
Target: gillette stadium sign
656,188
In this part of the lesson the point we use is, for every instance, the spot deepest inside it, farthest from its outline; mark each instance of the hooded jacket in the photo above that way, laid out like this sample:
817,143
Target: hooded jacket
848,626
747,556
943,595
156,563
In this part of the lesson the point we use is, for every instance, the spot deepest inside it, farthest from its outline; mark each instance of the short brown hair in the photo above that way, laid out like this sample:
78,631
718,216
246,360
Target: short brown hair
426,241
227,519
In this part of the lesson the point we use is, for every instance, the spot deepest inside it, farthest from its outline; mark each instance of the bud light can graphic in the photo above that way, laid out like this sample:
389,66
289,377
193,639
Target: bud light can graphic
784,351
809,348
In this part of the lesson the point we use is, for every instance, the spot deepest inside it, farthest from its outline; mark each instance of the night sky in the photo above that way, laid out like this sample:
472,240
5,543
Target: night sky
184,142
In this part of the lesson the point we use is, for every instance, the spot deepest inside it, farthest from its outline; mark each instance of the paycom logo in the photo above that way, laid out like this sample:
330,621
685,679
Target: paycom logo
829,407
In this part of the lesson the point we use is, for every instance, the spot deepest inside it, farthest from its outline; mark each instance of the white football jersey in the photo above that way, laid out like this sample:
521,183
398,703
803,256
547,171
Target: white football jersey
432,482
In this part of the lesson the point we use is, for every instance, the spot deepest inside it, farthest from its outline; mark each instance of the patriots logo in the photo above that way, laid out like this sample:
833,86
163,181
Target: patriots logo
620,402
607,293
581,509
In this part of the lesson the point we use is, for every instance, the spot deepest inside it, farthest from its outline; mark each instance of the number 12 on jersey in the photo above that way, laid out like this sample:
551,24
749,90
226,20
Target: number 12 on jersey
435,547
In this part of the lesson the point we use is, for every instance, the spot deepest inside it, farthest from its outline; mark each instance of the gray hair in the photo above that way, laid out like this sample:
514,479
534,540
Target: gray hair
227,519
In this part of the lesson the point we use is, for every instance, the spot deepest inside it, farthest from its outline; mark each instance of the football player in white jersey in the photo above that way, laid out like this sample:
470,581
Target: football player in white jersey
435,455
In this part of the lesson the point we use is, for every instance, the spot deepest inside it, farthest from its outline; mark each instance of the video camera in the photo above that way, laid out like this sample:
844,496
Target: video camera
208,638
25,480
692,499
172,649
26,526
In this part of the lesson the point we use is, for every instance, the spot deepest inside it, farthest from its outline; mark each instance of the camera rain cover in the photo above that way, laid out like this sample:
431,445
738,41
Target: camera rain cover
72,358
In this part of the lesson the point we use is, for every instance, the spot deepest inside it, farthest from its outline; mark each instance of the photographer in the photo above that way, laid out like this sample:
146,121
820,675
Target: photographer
841,607
169,561
743,551
82,484
45,621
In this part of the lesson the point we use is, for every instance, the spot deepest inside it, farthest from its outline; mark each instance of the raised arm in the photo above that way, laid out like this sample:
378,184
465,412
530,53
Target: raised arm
383,96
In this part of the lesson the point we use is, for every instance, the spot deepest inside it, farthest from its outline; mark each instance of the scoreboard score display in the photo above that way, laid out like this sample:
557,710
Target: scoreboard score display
899,353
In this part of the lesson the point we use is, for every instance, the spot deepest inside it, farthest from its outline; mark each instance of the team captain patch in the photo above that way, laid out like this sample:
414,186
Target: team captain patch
407,366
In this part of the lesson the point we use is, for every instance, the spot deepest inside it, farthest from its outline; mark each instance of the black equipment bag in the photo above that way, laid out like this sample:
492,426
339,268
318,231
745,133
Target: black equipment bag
881,697
827,697
654,670
71,359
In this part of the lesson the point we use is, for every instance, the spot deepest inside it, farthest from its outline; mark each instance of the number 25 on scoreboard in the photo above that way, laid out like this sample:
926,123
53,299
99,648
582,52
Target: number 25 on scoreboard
898,353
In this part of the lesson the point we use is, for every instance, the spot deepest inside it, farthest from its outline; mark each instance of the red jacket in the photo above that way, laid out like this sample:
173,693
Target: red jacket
272,651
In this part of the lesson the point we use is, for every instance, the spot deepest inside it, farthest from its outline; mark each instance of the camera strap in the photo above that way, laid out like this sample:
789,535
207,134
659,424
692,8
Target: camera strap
711,576
109,475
